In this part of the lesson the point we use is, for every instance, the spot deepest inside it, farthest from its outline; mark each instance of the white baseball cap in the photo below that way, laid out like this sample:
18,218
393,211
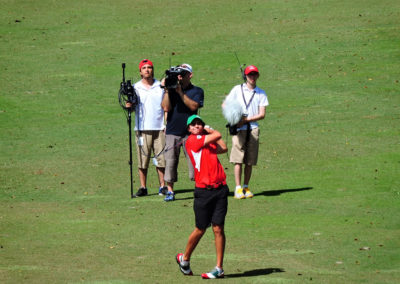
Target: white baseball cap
186,67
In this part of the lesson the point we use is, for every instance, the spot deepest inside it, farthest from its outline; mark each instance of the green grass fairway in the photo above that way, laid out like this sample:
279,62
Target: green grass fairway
327,190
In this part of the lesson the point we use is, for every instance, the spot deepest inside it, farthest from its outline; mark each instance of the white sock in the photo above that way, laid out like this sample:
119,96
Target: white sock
184,262
238,187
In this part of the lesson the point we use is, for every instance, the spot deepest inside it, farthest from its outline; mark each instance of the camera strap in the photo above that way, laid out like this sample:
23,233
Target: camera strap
182,140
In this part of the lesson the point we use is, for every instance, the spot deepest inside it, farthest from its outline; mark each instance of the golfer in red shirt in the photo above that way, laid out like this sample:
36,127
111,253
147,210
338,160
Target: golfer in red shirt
210,193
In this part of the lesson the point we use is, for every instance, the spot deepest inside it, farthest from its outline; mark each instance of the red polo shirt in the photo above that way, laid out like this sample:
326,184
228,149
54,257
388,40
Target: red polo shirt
208,171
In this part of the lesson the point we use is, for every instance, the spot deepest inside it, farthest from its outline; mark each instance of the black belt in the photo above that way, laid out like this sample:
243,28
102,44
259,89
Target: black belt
213,186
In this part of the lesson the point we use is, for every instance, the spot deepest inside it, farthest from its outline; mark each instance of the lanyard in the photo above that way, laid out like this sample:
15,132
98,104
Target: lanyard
244,99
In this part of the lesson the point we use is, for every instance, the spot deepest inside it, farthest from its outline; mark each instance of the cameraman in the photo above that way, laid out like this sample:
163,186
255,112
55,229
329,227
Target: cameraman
149,126
179,103
245,143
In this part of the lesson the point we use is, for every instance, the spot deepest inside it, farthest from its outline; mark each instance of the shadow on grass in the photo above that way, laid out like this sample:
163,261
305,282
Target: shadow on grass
176,191
183,190
280,191
255,272
265,192
179,191
277,192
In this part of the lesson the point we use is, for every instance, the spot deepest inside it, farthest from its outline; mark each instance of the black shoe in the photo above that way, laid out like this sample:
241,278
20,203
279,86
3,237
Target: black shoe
141,192
163,190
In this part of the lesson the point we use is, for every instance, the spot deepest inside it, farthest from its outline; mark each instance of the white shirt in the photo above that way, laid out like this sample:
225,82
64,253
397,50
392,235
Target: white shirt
250,104
149,113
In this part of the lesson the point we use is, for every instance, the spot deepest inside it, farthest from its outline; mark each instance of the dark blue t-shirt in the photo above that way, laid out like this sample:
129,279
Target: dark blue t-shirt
179,113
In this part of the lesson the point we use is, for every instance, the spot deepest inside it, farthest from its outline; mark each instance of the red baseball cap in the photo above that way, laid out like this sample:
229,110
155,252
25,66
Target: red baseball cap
144,62
250,68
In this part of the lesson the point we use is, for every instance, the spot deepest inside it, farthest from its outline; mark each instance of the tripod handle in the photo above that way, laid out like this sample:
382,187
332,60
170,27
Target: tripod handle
123,72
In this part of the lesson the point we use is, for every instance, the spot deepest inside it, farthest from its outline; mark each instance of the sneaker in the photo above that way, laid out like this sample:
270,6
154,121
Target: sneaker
141,192
247,193
170,196
215,273
239,194
163,190
183,265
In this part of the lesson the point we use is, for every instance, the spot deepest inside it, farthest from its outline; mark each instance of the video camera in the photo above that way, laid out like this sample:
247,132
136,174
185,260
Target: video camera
127,93
232,129
171,76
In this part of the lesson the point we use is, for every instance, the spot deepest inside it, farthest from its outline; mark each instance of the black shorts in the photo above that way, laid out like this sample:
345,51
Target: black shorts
210,206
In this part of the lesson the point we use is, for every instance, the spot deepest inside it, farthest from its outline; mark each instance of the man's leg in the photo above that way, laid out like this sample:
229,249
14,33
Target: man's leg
183,259
142,191
158,148
238,178
194,239
143,148
160,172
251,160
247,176
170,186
143,143
219,235
247,173
171,161
142,177
238,174
173,167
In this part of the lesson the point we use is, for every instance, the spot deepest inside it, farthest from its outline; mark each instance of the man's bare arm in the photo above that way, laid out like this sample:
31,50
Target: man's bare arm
215,136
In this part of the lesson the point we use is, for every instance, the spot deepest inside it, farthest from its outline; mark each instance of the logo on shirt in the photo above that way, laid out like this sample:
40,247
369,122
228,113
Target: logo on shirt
197,159
198,136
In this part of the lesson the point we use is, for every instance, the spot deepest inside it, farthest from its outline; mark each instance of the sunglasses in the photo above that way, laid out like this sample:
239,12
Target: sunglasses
196,122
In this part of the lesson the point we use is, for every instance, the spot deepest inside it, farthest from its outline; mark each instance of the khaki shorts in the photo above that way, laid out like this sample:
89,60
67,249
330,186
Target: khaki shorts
152,141
242,153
